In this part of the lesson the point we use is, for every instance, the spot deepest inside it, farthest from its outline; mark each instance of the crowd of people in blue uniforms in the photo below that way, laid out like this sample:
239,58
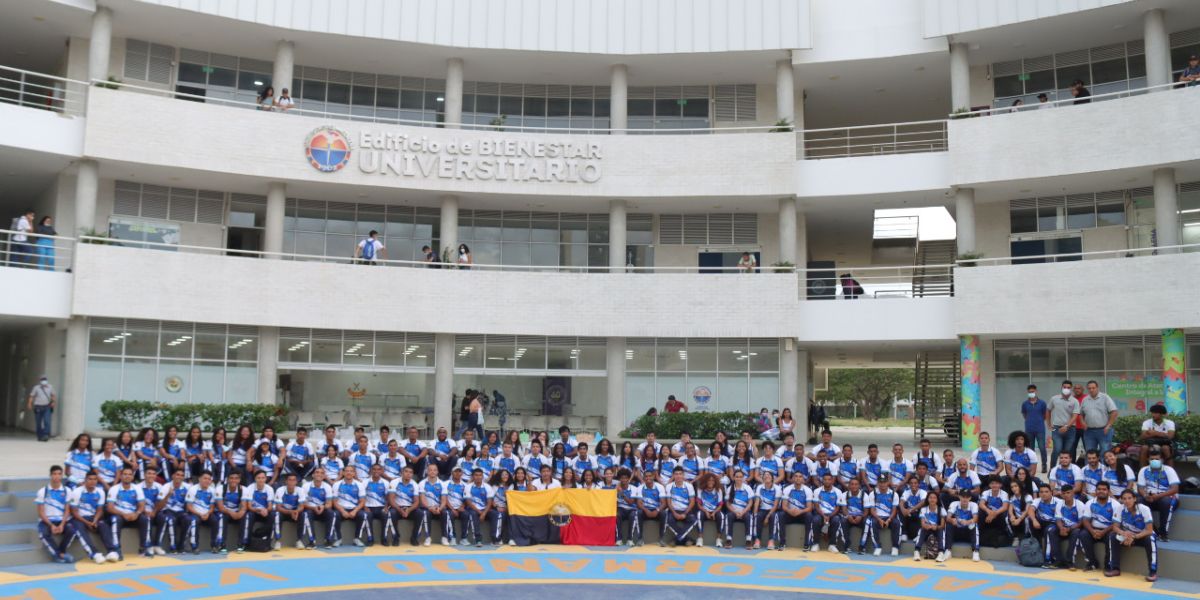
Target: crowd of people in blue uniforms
171,488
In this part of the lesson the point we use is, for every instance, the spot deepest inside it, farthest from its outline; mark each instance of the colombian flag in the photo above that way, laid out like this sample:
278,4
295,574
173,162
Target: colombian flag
593,517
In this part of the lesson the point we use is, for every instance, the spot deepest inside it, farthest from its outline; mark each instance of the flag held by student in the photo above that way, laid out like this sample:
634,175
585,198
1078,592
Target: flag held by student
572,516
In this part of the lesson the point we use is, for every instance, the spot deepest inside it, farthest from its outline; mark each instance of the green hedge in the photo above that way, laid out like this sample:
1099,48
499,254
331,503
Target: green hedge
702,425
1187,429
132,415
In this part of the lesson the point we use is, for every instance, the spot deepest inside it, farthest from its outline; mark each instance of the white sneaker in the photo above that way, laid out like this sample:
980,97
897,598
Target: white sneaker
98,558
975,556
877,552
300,545
359,543
464,542
917,555
903,538
445,542
832,548
427,541
895,552
514,543
276,545
113,557
699,542
336,544
941,557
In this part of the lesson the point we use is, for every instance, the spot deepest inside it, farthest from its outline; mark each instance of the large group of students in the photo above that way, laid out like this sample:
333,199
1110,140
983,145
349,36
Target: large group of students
170,487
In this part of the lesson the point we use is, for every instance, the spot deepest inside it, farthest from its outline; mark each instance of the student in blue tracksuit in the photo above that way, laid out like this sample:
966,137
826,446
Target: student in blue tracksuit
1044,521
260,506
52,517
478,508
710,506
87,514
332,464
1070,518
349,502
767,499
216,458
962,522
152,491
1100,521
126,506
289,505
502,482
318,508
79,460
884,516
146,451
431,506
933,524
681,506
299,457
203,502
171,451
1159,486
855,514
798,506
1135,528
108,463
652,502
376,506
193,453
739,503
628,510
172,515
233,503
456,491
402,504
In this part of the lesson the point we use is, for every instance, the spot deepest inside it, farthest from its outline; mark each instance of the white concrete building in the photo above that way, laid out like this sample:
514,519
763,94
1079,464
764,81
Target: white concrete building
607,163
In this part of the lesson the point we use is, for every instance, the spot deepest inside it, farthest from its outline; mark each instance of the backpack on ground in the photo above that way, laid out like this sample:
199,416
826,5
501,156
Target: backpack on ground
931,547
260,538
1029,553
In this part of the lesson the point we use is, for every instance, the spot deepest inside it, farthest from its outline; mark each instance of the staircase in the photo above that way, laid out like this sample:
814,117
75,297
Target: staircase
936,396
934,281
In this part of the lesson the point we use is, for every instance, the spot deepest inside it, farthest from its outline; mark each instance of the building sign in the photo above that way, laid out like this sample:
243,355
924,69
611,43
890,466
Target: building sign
1135,394
483,158
327,149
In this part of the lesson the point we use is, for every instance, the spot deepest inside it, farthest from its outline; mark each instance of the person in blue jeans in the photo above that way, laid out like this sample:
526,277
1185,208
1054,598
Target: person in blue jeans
41,401
1034,410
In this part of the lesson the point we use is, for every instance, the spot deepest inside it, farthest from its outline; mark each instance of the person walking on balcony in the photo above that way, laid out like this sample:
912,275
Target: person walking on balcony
42,401
370,250
1036,414
1063,409
45,245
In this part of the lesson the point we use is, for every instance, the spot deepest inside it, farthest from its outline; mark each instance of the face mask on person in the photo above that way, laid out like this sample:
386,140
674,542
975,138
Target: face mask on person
1066,391
1032,395
1155,464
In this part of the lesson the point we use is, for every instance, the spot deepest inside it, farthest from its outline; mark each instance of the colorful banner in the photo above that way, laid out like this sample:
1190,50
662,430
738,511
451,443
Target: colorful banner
969,367
1134,394
582,517
1174,353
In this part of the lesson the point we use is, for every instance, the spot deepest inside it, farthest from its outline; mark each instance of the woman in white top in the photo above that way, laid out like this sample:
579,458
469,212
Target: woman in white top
785,423
266,100
464,257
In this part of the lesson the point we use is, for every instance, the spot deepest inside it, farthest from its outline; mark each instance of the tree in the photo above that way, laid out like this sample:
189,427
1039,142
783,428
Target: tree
871,390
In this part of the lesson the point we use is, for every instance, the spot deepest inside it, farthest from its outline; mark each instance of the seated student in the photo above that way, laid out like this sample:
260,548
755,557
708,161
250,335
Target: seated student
1093,473
831,503
479,508
79,460
108,463
884,516
822,467
1159,485
332,464
1020,456
414,451
933,525
678,449
233,502
456,500
681,519
847,467
299,456
86,506
51,503
487,464
854,514
959,480
501,482
318,508
769,462
260,504
1119,476
739,503
508,460
993,515
710,506
443,452
797,506
382,440
267,462
826,447
1135,527
871,468
767,500
431,506
1158,431
349,500
375,508
582,461
288,505
330,441
126,506
203,502
652,502
799,464
194,452
947,469
628,511
717,464
926,481
651,441
155,499
1069,520
926,456
362,459
546,480
1066,477
171,515
899,469
1019,503
570,446
403,502
787,447
987,461
392,461
1043,519
665,466
1099,522
911,501
962,522
693,463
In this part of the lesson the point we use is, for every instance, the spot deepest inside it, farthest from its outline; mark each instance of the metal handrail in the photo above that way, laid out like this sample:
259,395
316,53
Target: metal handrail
882,139
349,116
34,254
39,90
1066,101
899,281
1127,253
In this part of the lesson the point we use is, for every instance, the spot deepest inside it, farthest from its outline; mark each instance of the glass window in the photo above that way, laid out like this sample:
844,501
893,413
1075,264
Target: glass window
702,355
639,357
175,343
1039,81
313,90
255,82
639,394
1081,217
419,354
1110,213
363,96
387,98
535,107
412,99
592,358
210,346
341,220
1125,358
247,214
696,107
1107,71
208,382
139,342
668,108
192,73
501,354
1048,359
106,341
222,77
641,108
1024,220
468,355
1009,85
1085,359
558,107
1050,213
1067,75
358,352
531,355
293,350
243,347
1012,360
339,93
241,383
733,356
327,351
488,105
764,357
764,391
732,393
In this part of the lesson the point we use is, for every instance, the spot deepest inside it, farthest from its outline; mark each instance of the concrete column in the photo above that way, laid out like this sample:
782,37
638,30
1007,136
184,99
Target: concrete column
443,380
285,64
960,77
268,364
787,230
1166,209
273,232
615,415
71,391
454,93
617,235
964,218
449,226
804,387
87,188
801,240
989,407
785,89
618,104
789,376
100,44
1158,47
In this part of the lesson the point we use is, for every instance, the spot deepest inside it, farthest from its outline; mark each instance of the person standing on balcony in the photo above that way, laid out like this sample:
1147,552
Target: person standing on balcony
370,250
429,258
1063,409
464,257
266,100
41,401
45,245
674,406
1036,414
285,102
22,252
1044,101
1080,92
1191,73
747,264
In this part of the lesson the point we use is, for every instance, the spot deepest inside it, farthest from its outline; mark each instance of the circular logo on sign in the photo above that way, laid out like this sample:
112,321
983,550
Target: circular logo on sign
560,515
555,394
327,149
174,384
701,395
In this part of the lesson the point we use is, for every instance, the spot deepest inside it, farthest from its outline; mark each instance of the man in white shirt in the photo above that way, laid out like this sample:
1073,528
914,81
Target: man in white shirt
285,101
1159,431
22,250
370,250
1159,486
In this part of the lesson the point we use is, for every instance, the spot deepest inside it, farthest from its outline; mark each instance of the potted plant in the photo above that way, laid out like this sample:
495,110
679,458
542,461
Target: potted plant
961,113
89,235
783,266
112,83
497,123
782,126
967,259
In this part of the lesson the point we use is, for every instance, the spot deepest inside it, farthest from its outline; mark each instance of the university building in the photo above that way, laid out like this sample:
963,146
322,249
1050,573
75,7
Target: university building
608,163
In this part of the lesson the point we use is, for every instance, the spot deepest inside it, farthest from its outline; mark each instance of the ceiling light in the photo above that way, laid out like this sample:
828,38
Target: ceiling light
441,99
258,82
420,356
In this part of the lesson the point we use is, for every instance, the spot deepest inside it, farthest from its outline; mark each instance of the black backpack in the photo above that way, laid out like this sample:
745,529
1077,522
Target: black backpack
261,538
1029,553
